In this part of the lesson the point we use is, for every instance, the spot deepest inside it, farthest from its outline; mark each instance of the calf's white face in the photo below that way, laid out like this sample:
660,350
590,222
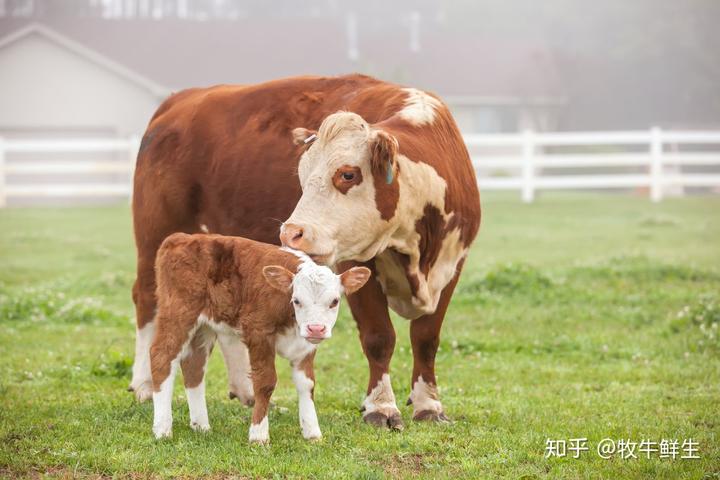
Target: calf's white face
315,294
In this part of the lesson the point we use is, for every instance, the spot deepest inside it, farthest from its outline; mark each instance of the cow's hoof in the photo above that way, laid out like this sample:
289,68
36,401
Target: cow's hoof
430,416
143,392
247,401
393,421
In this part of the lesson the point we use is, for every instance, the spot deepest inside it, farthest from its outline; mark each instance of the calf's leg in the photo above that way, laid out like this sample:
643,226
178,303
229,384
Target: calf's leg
377,336
264,378
165,352
193,367
303,375
425,338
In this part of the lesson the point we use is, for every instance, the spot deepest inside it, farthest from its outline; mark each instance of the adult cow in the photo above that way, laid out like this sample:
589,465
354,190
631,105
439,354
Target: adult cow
386,181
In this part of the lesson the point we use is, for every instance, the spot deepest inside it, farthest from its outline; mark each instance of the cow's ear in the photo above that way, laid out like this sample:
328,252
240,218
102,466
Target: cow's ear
383,152
354,278
278,277
302,136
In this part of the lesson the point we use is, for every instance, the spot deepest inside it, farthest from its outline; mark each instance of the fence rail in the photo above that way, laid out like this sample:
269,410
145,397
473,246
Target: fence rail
532,156
529,162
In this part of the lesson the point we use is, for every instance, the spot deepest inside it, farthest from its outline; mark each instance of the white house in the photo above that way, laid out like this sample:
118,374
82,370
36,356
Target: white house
53,86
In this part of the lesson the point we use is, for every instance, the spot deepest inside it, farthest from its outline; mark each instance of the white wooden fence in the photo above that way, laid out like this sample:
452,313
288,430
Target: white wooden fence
657,156
527,161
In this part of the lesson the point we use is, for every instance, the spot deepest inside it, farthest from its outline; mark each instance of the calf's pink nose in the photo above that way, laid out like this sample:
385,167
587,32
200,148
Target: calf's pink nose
315,330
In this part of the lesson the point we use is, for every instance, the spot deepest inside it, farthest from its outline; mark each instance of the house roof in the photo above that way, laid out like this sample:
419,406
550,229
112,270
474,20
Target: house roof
179,54
85,52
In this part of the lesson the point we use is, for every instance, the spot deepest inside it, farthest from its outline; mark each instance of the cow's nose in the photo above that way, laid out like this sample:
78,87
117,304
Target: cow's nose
292,236
316,330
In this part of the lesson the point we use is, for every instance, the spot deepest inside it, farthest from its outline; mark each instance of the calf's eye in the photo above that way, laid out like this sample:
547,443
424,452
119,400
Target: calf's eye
348,176
296,301
334,303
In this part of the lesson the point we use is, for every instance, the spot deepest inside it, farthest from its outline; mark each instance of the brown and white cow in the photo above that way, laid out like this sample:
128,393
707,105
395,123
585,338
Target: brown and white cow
269,299
386,182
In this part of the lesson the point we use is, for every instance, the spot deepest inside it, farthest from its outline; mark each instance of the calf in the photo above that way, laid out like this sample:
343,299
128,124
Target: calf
239,290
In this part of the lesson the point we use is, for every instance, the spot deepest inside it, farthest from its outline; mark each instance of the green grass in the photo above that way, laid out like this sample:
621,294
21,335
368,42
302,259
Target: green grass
578,316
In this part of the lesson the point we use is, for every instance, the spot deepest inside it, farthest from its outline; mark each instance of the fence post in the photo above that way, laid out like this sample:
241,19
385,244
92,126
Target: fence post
528,152
3,193
133,150
656,166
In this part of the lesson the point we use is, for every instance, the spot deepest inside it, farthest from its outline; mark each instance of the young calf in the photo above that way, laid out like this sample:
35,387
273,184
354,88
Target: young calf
271,299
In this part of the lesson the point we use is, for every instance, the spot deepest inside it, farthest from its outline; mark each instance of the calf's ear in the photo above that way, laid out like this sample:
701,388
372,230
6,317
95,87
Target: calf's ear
383,150
278,277
303,136
354,278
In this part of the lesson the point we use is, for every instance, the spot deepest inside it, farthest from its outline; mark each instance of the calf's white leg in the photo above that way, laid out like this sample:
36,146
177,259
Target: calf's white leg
162,404
198,408
308,416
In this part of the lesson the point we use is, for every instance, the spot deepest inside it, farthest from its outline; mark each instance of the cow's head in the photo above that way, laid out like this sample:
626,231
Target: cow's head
350,187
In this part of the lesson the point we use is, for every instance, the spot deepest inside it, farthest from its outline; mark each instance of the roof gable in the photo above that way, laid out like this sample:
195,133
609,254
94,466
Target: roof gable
86,53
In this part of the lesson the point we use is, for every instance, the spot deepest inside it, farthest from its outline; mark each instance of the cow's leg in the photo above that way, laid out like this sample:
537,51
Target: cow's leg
193,368
264,378
304,377
145,306
425,338
237,362
377,336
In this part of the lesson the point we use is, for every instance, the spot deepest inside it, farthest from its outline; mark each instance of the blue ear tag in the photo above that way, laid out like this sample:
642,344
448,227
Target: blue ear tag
389,177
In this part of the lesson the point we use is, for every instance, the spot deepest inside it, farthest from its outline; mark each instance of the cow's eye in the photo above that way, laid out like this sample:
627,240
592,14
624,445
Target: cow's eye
334,303
348,176
296,302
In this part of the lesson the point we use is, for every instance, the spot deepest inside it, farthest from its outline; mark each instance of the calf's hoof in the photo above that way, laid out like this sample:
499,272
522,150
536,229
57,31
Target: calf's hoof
391,420
200,427
431,416
162,431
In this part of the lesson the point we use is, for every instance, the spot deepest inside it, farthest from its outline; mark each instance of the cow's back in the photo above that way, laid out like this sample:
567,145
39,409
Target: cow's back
222,158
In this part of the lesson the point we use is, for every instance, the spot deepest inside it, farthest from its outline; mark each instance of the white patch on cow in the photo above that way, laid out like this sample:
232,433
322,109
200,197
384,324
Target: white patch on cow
381,398
142,377
204,228
308,417
259,433
424,397
198,408
162,404
290,345
418,181
237,361
420,108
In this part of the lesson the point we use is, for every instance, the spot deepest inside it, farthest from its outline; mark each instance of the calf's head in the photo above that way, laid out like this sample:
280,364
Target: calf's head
349,186
315,294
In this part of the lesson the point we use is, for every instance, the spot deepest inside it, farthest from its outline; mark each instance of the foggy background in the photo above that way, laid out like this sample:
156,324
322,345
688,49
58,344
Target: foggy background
98,69
558,64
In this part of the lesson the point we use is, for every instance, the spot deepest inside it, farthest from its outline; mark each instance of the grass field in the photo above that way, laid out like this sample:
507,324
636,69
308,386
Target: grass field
577,316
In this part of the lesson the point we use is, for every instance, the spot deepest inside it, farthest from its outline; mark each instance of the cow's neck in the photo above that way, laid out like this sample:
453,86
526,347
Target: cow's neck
423,249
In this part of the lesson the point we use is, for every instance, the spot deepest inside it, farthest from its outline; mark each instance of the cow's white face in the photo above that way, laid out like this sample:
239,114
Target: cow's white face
338,216
315,294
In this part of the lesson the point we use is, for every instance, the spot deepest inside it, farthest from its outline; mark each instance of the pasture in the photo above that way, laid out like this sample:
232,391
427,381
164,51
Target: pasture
580,315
